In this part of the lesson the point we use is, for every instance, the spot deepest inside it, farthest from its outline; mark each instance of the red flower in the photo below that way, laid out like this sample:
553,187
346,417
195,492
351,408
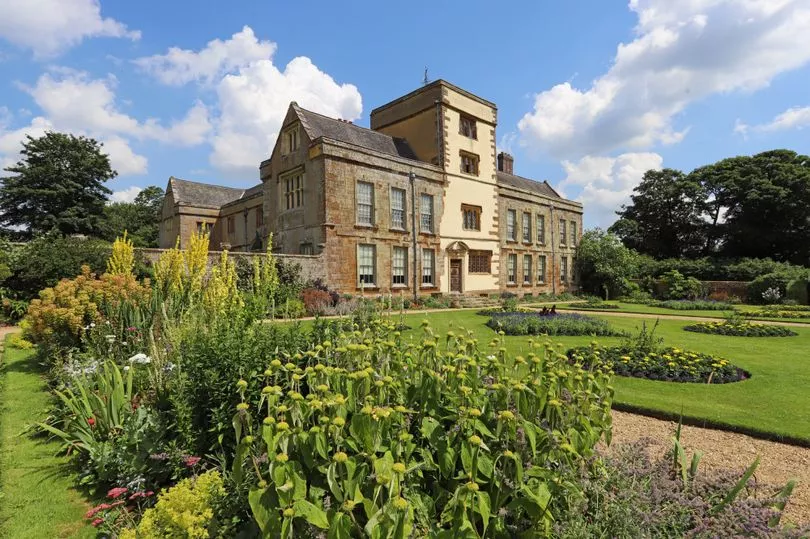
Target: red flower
117,492
191,461
97,522
91,421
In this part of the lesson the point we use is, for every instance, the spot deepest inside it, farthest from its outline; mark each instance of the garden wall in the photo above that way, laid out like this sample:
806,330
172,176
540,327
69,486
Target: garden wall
717,290
312,266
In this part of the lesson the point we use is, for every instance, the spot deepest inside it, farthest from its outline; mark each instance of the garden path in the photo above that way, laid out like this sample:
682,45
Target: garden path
679,317
779,462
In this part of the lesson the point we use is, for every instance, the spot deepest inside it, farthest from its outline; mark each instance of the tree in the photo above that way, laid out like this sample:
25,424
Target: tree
604,265
759,206
58,185
664,218
140,219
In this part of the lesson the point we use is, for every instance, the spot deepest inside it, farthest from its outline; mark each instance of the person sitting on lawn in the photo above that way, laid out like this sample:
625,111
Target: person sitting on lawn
544,312
553,310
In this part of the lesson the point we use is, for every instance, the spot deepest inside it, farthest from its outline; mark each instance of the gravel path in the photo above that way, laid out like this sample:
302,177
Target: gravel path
779,463
678,317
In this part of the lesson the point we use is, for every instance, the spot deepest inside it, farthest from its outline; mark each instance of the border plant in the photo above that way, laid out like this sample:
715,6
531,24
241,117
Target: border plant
534,323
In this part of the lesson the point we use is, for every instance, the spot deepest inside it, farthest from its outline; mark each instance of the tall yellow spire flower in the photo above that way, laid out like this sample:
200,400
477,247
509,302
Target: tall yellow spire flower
122,259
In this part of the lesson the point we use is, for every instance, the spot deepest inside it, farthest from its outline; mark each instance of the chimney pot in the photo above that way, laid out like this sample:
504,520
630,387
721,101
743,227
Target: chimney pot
506,163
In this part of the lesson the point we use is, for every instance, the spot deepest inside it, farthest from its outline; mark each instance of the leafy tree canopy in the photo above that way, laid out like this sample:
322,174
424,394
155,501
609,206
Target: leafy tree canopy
140,218
57,186
604,264
750,206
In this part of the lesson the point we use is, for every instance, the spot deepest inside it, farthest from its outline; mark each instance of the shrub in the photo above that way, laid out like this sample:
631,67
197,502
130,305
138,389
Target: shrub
17,341
12,310
395,435
43,262
316,302
797,291
60,317
516,323
184,510
740,329
768,288
676,286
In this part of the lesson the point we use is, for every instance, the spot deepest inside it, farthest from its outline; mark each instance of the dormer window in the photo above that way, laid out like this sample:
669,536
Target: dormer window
468,127
290,140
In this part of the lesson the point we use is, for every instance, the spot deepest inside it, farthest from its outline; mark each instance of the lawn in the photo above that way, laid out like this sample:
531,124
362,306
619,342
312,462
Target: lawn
646,309
775,400
36,495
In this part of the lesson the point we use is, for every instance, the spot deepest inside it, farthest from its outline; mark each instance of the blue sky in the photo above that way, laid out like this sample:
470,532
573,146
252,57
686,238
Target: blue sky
589,94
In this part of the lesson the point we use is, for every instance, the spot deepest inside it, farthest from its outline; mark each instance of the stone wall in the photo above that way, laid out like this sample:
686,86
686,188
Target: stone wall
312,266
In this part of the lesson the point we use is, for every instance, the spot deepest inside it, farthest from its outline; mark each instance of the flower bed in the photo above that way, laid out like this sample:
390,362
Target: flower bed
596,305
668,364
740,329
692,305
518,323
774,313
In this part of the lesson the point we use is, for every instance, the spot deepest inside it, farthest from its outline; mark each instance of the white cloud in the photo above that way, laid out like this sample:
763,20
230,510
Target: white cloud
122,158
74,101
125,195
684,51
71,101
49,27
253,103
605,183
181,66
253,94
792,118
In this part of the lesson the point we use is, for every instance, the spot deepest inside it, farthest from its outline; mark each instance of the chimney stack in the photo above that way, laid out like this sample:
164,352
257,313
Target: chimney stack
506,163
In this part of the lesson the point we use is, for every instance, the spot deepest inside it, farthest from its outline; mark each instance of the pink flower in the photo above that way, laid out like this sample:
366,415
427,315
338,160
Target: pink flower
117,492
97,522
191,461
91,421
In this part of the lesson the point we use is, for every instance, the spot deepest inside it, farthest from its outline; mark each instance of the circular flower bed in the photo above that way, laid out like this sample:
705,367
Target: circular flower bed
743,329
668,364
534,323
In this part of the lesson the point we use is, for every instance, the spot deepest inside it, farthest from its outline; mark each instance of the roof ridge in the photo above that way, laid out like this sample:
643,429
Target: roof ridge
346,122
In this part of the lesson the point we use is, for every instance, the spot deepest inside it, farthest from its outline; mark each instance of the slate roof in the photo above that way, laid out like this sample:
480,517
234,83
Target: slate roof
188,193
317,125
519,182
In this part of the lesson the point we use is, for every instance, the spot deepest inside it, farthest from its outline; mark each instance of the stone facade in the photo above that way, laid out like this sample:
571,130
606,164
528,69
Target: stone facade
418,203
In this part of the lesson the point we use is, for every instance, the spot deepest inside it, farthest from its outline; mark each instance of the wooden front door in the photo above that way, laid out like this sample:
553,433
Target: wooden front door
455,275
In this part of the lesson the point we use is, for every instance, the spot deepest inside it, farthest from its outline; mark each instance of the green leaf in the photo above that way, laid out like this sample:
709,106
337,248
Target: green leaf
466,457
340,527
732,495
447,461
482,429
331,480
263,511
431,429
779,506
312,514
483,507
485,465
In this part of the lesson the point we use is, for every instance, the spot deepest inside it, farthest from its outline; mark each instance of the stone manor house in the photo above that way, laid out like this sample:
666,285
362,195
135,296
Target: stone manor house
418,202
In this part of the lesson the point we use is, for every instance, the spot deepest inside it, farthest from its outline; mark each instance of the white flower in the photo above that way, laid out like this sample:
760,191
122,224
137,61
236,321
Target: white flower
92,324
169,367
123,343
110,338
140,358
126,368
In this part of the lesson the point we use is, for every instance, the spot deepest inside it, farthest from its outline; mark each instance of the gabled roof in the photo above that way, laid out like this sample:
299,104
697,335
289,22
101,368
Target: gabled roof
188,193
317,126
519,182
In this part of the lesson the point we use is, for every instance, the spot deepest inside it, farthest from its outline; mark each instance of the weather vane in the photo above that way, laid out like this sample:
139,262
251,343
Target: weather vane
426,80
